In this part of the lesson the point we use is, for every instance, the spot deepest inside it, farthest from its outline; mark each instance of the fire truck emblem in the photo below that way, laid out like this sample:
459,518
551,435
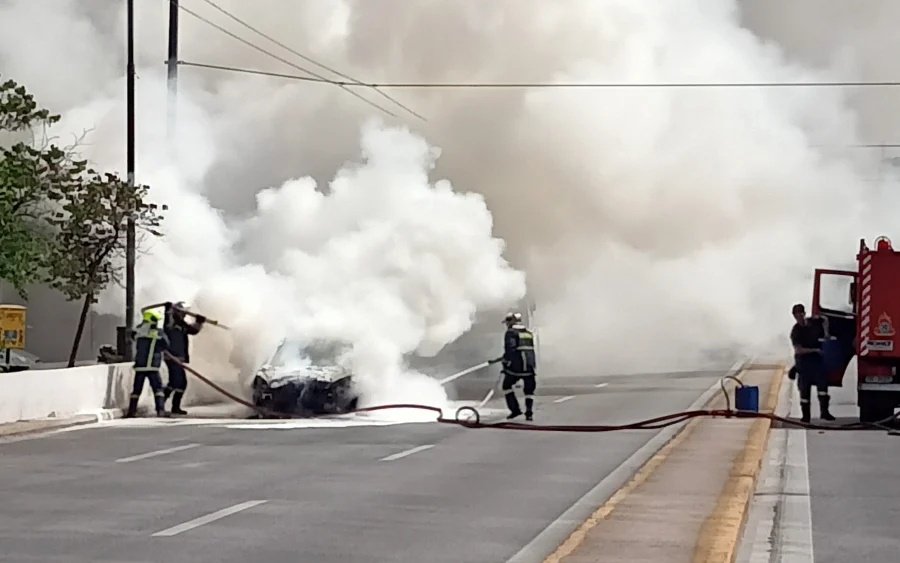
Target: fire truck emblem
885,327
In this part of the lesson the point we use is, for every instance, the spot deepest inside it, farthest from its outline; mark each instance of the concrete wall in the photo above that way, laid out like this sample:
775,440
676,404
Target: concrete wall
61,393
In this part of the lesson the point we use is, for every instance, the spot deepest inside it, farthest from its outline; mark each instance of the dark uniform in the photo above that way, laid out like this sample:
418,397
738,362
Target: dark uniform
150,344
519,363
809,367
177,331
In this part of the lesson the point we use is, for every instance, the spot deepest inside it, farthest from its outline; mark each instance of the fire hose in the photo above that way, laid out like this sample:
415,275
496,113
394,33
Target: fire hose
655,423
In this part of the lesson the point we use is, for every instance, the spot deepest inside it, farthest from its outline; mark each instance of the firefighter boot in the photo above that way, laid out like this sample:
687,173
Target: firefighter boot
176,403
160,405
529,408
132,408
804,408
824,400
166,392
512,404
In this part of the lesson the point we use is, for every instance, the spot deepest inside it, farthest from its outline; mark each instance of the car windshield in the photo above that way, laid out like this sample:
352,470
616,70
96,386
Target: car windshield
317,353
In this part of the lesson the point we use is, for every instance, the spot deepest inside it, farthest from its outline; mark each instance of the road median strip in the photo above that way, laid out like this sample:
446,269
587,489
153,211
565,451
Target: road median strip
578,536
576,539
721,532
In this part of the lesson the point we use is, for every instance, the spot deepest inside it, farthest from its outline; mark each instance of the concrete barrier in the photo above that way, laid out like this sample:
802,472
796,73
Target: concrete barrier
61,393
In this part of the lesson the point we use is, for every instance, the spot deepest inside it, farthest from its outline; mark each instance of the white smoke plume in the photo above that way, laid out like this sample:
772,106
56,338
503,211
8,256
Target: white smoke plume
382,259
654,225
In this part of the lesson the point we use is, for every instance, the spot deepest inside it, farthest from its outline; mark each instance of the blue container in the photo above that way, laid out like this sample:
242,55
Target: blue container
833,355
746,398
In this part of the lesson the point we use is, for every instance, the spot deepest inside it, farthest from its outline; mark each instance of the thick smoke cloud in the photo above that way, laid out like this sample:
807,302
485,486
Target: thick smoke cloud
654,225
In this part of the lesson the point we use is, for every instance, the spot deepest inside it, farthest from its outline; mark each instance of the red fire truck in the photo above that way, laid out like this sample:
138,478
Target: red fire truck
866,329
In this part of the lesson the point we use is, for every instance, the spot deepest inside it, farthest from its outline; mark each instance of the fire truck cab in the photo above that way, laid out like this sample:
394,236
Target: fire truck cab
865,328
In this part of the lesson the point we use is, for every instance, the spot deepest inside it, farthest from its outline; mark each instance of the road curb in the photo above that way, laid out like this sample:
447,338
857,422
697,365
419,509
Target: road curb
38,426
107,414
720,535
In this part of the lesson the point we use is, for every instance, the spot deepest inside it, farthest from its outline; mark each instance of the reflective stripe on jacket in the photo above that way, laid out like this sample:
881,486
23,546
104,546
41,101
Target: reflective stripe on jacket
150,344
518,355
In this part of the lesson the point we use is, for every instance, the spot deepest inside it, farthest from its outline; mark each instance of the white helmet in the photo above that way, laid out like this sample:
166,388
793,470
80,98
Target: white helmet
512,318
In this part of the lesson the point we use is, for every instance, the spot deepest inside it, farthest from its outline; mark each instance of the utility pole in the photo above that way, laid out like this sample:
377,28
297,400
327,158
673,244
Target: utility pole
130,250
172,64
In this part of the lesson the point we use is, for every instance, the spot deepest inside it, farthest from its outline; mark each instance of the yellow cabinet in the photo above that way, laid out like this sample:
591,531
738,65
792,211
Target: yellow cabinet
12,326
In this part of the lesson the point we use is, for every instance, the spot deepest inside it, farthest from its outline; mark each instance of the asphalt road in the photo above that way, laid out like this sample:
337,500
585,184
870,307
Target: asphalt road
219,490
826,497
854,490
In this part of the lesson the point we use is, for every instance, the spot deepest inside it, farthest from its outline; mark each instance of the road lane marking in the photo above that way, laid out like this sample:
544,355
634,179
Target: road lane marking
564,399
599,385
797,540
780,527
797,536
156,453
212,517
403,454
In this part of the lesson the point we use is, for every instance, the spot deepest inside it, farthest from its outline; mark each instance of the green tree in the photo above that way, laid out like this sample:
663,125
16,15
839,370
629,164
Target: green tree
26,174
61,223
91,236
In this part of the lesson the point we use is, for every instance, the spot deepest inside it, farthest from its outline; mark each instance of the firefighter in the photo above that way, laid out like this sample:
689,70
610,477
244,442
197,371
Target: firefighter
178,329
518,363
807,337
149,347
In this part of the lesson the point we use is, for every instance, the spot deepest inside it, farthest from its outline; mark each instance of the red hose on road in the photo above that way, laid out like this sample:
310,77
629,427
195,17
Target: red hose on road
648,424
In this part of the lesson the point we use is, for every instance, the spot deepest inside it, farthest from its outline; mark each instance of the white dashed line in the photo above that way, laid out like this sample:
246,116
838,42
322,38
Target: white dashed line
599,385
156,453
406,453
212,517
564,399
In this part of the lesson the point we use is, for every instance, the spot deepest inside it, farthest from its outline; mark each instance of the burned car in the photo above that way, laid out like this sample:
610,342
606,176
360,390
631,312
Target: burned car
304,379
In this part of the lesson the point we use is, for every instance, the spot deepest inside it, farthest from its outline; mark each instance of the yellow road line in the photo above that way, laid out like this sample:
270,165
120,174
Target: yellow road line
720,534
577,537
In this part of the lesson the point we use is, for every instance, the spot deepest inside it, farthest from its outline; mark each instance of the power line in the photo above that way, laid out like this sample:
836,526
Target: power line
256,72
524,85
306,58
285,61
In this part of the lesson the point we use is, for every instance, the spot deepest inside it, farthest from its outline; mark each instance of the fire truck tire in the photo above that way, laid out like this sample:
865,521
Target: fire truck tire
875,407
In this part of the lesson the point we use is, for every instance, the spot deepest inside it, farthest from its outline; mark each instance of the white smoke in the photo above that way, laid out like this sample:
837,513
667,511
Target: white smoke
382,259
653,224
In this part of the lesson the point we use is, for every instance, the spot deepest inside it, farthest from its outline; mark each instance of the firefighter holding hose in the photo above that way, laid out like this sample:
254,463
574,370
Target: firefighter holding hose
149,348
518,363
178,330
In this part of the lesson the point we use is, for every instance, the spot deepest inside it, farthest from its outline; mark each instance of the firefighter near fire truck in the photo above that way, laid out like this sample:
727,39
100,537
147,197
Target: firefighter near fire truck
866,330
808,337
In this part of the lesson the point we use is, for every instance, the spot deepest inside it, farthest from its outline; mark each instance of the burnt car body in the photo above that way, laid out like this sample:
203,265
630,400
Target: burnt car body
304,380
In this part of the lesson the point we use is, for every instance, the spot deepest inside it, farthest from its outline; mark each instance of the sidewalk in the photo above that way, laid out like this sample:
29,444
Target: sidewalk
10,429
687,504
212,411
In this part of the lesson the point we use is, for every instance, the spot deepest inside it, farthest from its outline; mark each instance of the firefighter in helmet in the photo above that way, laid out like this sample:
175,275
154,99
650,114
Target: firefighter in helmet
178,329
150,344
518,363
